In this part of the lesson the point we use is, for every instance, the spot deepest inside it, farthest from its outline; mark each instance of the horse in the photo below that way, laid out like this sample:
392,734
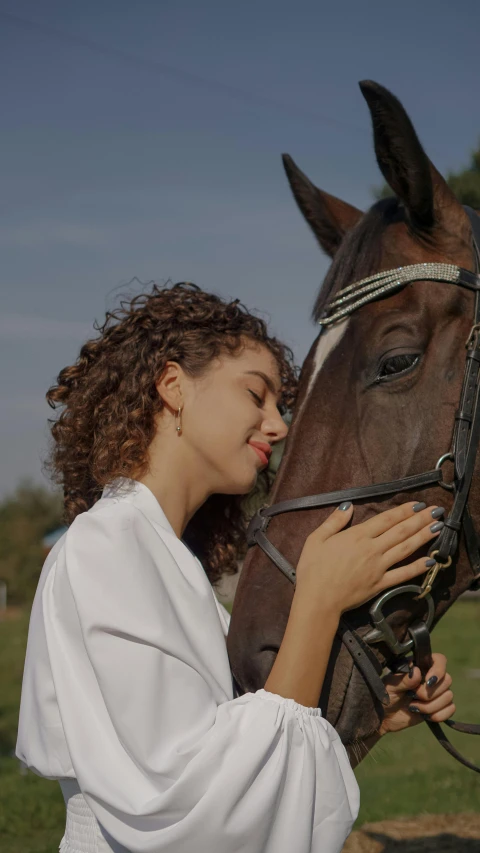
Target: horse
382,395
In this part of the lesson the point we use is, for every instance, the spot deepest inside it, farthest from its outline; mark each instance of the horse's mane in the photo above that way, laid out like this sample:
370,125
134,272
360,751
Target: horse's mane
359,253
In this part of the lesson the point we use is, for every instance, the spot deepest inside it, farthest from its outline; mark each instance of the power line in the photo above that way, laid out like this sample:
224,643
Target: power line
187,78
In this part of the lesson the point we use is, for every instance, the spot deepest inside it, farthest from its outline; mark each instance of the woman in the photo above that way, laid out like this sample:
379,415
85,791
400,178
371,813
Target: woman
168,417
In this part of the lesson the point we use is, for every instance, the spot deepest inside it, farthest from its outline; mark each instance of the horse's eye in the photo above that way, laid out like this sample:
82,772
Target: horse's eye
397,365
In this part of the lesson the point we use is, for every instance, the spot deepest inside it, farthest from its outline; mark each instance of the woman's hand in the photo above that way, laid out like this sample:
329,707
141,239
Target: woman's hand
340,569
411,701
434,700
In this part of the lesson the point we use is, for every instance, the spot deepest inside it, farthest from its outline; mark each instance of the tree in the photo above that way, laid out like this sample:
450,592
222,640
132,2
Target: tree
465,183
26,517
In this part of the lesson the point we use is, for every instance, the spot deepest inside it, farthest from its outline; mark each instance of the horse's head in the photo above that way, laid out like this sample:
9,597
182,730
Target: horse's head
377,398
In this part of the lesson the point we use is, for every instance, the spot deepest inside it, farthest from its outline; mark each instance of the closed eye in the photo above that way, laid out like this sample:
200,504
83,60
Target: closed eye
396,366
257,399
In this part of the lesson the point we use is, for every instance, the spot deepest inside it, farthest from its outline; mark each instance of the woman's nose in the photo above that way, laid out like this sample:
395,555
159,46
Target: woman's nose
275,428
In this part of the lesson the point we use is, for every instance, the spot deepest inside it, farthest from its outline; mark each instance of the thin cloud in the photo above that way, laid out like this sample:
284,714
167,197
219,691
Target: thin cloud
14,327
33,235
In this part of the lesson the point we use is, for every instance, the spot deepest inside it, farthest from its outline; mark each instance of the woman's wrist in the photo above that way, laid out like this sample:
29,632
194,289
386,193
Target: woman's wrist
301,662
327,609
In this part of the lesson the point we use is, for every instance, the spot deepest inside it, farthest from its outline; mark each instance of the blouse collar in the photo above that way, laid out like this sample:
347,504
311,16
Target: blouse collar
140,495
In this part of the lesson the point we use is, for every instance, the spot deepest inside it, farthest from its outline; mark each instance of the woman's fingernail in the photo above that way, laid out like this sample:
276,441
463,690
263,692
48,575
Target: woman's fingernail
419,507
412,694
431,681
410,670
413,709
438,512
437,526
429,563
345,505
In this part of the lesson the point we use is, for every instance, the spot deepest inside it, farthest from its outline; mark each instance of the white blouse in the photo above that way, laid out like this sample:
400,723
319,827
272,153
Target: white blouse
127,699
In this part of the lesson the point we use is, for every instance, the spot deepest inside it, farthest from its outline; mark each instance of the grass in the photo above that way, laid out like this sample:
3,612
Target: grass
32,813
406,774
409,773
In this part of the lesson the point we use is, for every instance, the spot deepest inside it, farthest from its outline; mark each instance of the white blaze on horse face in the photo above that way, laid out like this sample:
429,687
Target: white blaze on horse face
327,342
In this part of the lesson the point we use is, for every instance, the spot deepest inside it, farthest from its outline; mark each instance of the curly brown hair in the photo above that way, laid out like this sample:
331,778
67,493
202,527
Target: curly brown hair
110,402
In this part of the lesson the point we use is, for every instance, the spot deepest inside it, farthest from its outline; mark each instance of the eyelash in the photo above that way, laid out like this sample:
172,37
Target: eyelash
257,399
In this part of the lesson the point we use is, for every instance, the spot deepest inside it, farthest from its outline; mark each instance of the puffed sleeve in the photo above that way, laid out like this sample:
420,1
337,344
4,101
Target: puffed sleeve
167,760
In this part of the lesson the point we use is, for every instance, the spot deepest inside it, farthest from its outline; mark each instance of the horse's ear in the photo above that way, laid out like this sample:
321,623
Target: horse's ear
402,160
328,217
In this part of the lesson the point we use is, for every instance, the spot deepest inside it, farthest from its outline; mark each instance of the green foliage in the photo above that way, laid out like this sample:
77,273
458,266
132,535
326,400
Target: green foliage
25,518
465,183
385,191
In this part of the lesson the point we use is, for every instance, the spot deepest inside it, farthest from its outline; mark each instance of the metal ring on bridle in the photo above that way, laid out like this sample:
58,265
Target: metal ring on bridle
382,632
449,486
433,555
475,330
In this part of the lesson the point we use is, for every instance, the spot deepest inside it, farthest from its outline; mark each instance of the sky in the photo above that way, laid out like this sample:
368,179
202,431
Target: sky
141,141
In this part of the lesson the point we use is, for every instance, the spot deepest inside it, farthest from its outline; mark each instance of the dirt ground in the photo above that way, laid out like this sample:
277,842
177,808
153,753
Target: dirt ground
458,833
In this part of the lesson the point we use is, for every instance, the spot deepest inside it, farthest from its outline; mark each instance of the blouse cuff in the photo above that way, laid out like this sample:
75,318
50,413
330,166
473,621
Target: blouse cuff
303,710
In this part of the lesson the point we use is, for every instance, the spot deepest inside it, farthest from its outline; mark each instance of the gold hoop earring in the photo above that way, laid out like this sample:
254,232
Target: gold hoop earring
178,421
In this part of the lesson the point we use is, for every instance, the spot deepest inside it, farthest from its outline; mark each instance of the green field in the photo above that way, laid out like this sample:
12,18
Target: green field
407,773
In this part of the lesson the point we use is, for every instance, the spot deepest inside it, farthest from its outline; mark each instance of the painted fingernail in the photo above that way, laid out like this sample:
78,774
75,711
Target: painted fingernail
429,563
413,709
410,670
412,694
438,512
431,681
419,507
345,505
437,526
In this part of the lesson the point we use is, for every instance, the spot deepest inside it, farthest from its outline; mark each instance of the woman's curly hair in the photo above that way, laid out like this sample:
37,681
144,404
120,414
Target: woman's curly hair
110,402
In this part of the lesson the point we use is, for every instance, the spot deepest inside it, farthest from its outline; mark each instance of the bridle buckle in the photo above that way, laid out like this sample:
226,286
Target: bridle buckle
258,524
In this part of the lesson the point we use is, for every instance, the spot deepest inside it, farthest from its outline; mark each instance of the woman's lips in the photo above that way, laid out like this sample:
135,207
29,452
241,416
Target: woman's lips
261,450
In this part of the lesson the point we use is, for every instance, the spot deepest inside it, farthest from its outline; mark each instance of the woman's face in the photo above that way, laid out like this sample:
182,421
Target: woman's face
230,418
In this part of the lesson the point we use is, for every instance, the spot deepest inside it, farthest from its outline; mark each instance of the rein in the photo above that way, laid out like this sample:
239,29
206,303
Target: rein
466,438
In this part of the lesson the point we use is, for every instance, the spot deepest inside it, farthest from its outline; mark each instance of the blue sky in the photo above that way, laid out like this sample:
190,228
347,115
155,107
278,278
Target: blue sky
142,138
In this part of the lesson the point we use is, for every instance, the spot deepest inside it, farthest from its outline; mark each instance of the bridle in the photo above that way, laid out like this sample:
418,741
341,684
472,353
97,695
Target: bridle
465,442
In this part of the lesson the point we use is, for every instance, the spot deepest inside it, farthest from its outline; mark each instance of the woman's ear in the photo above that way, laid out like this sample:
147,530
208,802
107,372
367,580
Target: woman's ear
170,385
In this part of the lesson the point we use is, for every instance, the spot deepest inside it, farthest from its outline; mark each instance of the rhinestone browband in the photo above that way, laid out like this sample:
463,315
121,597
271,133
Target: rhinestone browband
370,288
